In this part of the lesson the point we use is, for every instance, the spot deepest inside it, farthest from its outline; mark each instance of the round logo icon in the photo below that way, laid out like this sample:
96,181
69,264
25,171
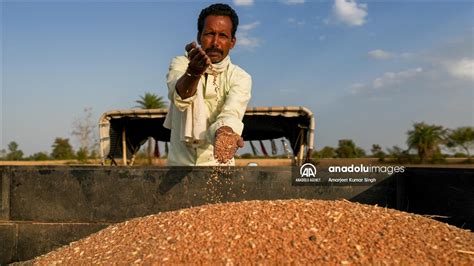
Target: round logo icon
308,170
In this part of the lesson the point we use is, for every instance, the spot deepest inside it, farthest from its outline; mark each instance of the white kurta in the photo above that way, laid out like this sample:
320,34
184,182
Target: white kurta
225,107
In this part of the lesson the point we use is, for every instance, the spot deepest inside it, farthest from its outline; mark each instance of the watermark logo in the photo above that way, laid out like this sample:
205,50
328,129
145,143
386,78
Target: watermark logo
308,170
343,175
367,169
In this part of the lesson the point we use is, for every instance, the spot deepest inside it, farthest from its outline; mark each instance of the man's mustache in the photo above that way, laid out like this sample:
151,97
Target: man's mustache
214,50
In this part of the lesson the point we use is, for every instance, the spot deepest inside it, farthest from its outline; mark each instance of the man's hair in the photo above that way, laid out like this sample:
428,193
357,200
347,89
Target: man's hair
218,10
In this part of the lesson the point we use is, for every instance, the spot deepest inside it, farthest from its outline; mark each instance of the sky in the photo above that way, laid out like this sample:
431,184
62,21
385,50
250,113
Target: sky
368,70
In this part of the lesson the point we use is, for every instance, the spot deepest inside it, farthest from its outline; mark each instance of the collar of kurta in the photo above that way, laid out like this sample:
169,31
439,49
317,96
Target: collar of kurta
219,67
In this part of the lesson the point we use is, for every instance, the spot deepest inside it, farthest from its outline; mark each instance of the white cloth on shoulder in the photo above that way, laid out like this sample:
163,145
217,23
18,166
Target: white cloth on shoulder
194,119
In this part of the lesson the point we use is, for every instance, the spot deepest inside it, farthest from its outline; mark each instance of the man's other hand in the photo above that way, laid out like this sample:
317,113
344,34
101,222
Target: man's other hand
226,144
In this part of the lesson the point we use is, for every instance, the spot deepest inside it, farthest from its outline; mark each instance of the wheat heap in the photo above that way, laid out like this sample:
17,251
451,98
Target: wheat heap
269,232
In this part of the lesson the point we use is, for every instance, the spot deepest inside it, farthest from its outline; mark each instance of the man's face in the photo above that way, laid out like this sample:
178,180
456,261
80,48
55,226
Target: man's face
216,37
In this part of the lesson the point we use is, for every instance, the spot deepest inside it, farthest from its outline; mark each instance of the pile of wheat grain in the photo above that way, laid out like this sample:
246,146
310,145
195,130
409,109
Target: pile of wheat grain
286,231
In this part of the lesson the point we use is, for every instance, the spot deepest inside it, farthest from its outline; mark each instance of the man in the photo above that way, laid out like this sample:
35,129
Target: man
208,94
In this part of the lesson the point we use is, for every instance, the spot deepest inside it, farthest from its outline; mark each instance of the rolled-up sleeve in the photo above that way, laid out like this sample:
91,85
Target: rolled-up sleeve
177,69
235,105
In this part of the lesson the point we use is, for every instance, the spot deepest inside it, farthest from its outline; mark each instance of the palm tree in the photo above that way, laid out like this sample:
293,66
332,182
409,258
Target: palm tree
150,101
425,139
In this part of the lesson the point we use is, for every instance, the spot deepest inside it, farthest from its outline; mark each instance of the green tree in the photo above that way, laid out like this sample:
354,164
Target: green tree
461,137
39,156
425,139
150,101
62,150
400,155
81,155
459,155
3,154
14,153
348,149
360,152
94,154
327,152
377,152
